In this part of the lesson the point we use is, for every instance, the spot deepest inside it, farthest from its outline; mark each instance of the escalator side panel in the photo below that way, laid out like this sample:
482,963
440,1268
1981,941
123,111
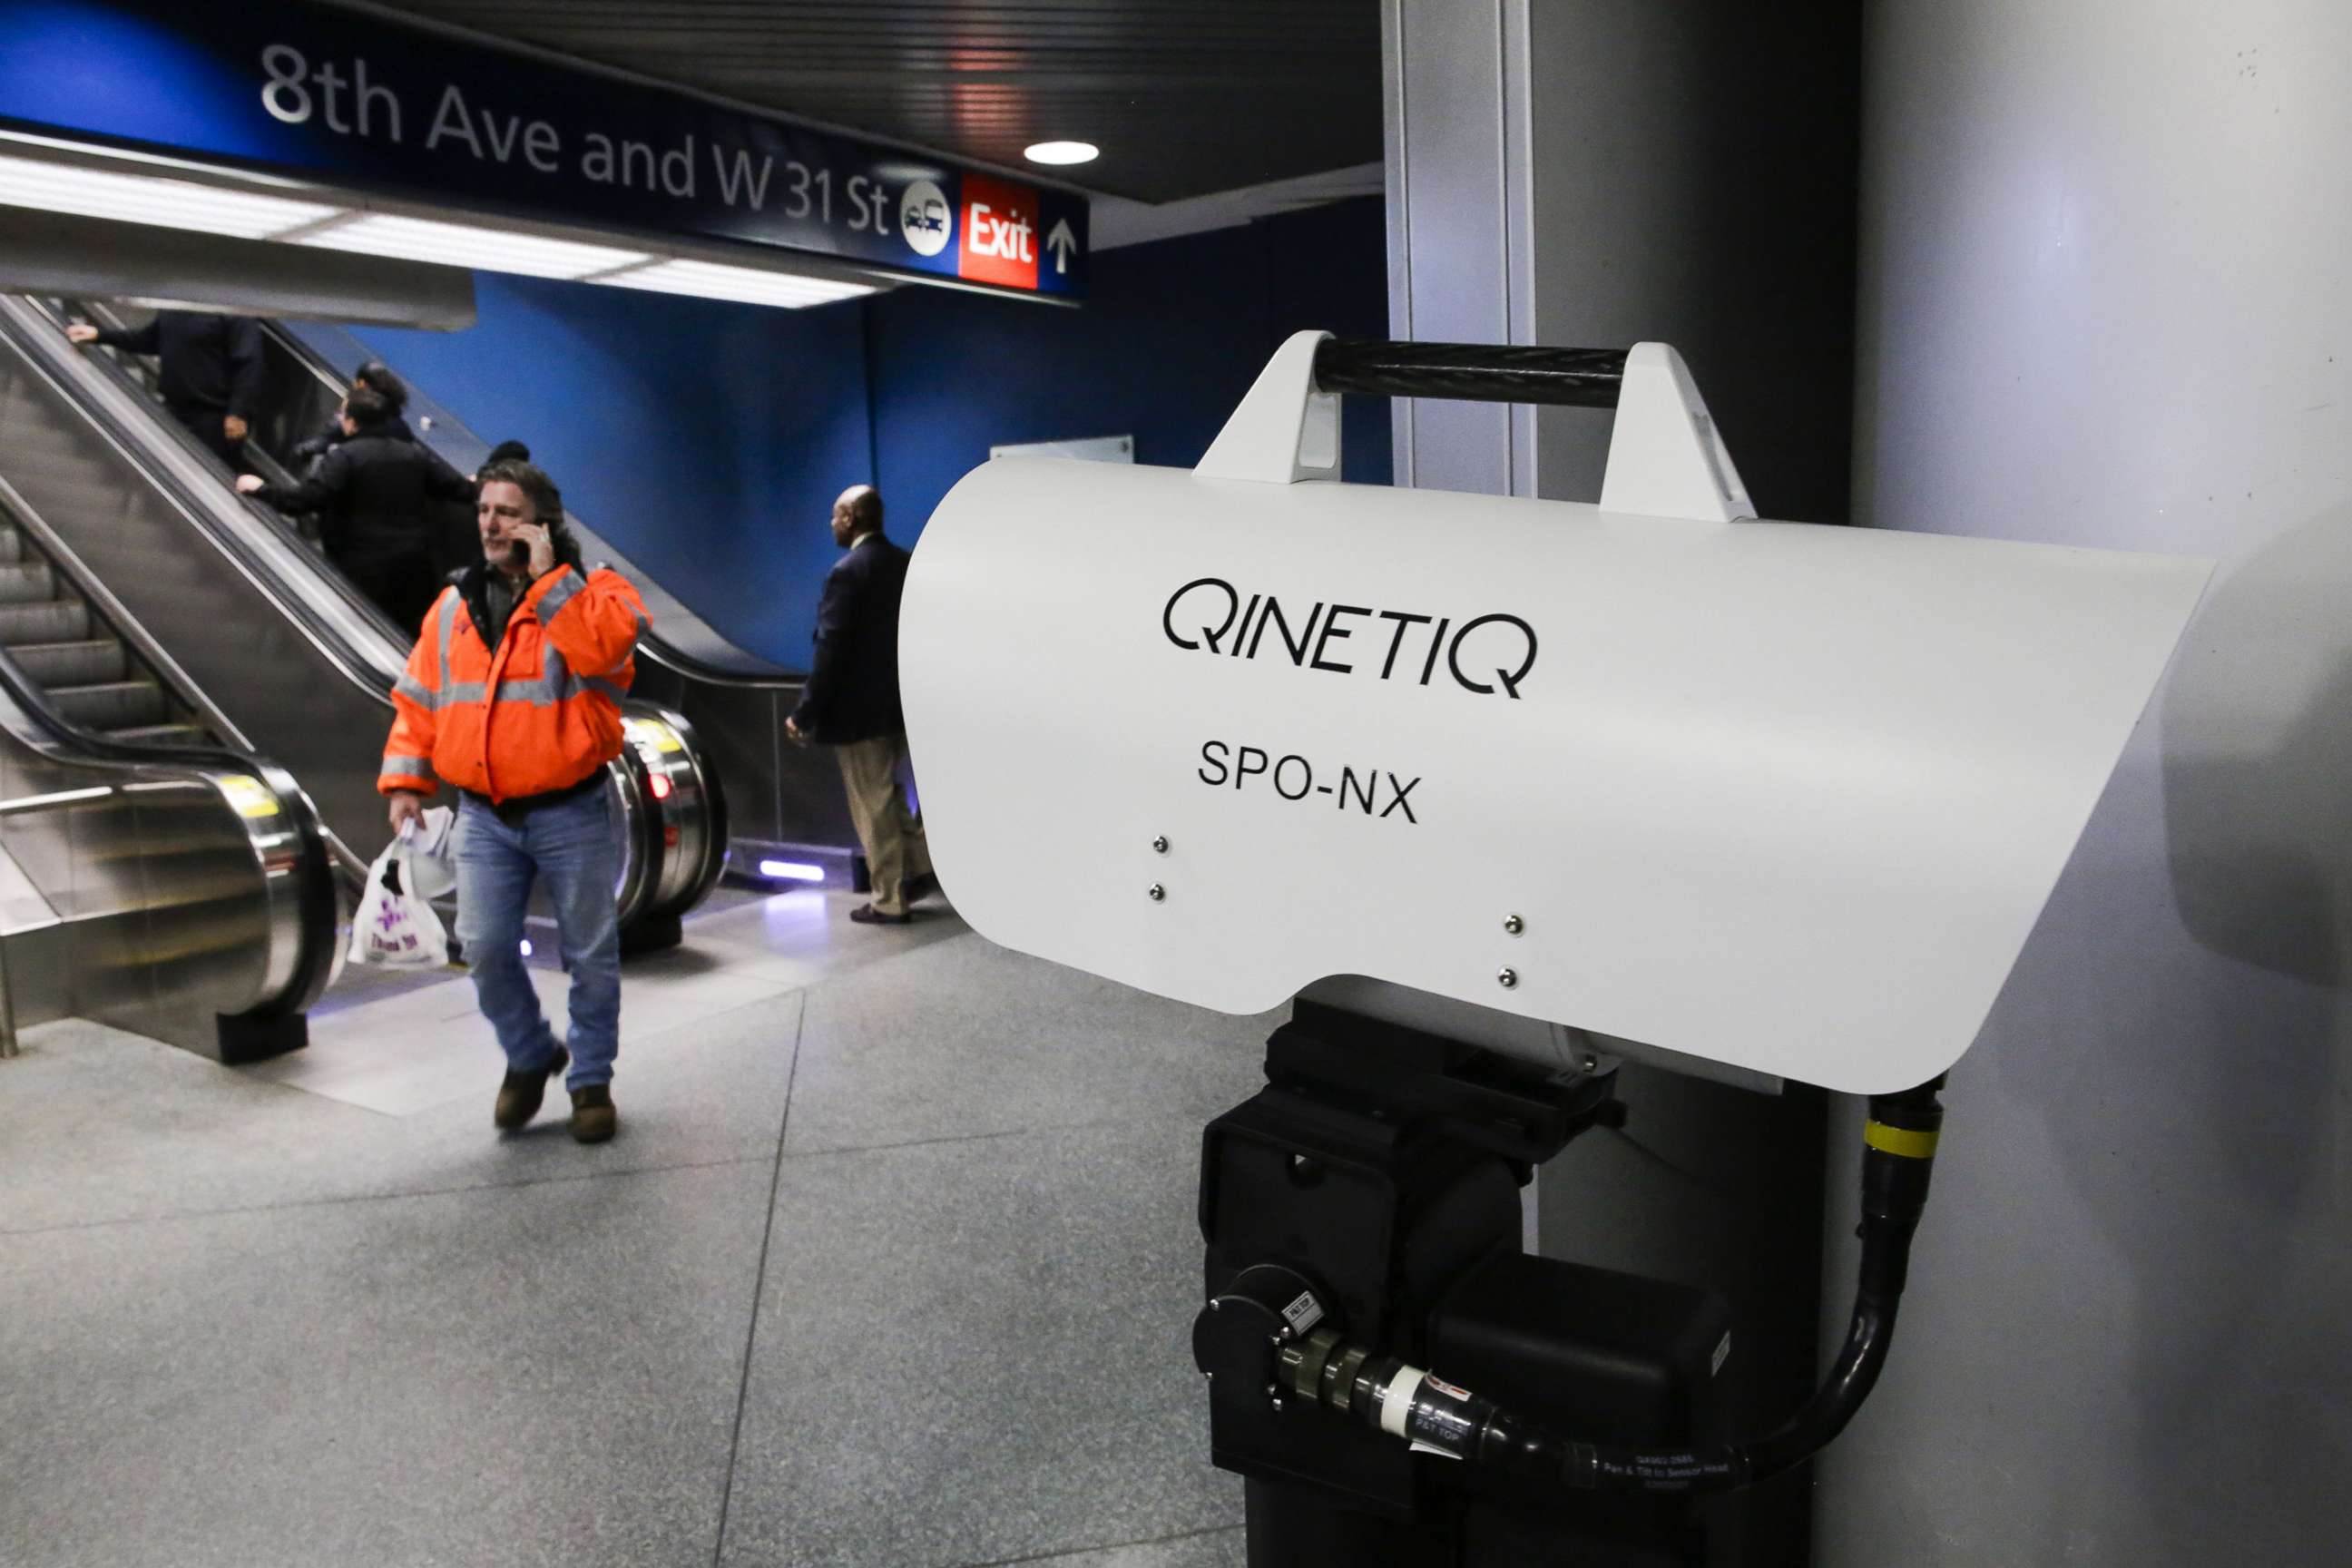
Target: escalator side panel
777,793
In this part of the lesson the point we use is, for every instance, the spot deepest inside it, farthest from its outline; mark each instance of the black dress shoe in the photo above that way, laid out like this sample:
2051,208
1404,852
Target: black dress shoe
867,915
519,1095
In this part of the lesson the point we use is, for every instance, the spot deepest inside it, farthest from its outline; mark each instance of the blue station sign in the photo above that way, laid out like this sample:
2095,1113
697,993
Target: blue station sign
362,101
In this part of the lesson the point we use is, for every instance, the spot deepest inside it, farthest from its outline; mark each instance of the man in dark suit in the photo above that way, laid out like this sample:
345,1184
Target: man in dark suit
212,370
851,701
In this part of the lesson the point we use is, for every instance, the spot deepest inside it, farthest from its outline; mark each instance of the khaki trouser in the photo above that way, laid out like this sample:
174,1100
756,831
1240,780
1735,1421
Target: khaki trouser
896,852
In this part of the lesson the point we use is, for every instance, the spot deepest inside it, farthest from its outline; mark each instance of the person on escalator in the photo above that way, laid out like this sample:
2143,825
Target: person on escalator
512,697
377,377
211,370
373,494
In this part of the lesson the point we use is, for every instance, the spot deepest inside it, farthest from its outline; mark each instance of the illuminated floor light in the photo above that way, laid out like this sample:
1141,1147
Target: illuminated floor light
792,870
526,947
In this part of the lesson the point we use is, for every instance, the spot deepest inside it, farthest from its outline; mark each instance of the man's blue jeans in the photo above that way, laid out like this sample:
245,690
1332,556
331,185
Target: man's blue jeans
574,846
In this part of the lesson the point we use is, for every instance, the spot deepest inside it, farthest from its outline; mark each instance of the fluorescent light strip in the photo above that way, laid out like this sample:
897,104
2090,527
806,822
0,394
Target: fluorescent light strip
792,870
245,215
746,285
145,198
463,245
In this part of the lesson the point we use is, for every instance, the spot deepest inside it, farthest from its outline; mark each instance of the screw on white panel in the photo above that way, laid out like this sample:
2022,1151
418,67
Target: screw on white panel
1507,978
1155,892
1161,843
1514,924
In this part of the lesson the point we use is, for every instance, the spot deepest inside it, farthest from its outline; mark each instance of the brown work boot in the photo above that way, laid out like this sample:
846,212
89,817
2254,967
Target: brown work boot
593,1119
519,1095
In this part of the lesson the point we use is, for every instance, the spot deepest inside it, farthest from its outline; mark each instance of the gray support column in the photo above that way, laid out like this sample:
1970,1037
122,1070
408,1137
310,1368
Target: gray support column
2104,303
1460,209
1596,172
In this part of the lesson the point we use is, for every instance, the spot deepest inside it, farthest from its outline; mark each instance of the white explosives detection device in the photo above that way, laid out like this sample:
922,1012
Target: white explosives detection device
1777,796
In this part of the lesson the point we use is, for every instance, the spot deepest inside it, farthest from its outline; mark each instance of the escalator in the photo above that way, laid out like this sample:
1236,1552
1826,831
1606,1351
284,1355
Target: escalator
784,802
49,633
274,652
149,877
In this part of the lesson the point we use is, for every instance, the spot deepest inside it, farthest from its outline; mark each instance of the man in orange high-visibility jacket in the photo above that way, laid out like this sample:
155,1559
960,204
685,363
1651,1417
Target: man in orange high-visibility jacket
513,698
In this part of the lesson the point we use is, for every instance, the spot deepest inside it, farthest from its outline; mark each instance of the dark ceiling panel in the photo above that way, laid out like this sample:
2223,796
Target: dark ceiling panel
1184,97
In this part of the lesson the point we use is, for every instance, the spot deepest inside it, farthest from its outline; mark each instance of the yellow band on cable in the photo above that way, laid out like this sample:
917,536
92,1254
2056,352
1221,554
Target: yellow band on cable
1900,1140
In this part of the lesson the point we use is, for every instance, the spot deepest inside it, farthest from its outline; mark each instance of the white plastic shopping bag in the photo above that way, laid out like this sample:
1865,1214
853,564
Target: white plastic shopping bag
432,844
395,923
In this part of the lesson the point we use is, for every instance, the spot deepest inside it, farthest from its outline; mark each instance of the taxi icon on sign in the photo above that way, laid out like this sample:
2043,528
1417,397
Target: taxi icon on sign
925,219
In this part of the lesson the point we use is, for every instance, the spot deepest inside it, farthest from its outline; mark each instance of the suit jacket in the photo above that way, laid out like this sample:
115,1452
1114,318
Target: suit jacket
853,689
209,360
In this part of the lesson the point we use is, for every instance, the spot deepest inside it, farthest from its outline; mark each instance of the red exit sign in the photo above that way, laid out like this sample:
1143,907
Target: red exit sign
1000,241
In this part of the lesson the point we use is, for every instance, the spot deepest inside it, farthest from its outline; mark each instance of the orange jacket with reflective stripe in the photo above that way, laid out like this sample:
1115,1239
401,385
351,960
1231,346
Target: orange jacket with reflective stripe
540,712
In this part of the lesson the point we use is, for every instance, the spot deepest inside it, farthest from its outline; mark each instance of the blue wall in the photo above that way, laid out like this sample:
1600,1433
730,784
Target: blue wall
705,440
708,440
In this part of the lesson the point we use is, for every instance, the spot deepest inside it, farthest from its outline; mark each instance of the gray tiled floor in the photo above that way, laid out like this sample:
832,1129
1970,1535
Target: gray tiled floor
890,1266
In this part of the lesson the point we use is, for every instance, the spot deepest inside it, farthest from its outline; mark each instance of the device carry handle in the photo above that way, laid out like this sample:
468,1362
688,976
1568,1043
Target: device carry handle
1474,372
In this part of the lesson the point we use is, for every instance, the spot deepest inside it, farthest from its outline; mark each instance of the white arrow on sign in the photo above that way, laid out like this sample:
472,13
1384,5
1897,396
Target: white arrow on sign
1061,242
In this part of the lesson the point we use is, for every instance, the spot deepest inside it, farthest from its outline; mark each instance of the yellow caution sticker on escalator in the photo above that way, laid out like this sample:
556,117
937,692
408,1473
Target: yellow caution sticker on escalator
249,796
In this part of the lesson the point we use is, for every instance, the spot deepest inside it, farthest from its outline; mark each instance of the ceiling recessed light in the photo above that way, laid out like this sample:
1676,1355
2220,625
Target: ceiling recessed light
1062,153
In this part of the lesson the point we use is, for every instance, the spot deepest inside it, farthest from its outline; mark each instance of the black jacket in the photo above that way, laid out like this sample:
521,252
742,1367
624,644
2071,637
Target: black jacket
209,362
853,689
373,495
311,448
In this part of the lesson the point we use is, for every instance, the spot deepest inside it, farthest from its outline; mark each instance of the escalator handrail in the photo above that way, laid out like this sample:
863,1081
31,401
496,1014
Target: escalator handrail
318,907
213,519
213,513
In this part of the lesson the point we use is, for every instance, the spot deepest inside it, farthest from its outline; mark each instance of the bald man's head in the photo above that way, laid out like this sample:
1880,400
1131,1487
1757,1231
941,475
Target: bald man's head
859,511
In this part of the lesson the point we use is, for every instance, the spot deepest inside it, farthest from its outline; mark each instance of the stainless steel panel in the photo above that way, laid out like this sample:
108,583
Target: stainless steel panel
170,903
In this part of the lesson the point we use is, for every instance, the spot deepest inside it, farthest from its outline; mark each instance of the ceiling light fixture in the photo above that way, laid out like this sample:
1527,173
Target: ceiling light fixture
1062,153
745,285
180,203
463,245
144,198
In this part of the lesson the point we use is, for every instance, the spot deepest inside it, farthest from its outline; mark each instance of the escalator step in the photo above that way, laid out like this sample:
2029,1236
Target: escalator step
160,735
26,582
59,620
113,704
81,663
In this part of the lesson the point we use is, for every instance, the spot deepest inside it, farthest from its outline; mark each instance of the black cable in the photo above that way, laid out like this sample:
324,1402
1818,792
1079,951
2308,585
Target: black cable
1898,1156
